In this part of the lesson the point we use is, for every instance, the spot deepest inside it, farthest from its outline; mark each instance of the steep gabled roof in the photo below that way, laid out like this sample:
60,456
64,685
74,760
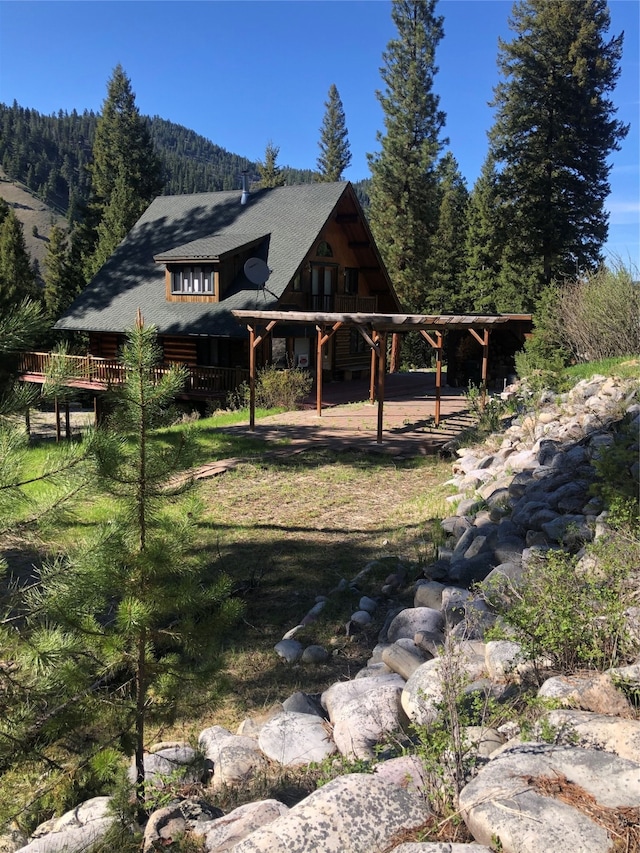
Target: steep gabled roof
290,218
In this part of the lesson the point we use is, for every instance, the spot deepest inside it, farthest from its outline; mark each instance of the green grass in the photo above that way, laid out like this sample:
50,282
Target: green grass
626,367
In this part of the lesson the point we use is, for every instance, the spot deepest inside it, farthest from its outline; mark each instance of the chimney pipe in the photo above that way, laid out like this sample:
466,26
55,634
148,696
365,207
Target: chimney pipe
245,188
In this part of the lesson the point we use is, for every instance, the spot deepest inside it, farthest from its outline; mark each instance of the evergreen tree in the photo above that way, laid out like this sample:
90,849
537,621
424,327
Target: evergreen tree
17,279
448,252
484,244
126,174
270,173
404,187
335,153
60,283
553,132
134,612
20,326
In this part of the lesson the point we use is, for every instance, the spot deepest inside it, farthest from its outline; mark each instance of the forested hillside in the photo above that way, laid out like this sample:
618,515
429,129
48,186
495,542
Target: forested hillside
50,155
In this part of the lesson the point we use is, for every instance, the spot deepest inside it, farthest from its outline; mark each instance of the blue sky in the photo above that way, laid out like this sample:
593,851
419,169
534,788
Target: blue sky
244,72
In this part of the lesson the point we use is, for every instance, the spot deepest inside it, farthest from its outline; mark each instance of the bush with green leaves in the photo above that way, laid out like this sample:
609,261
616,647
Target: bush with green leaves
618,481
275,389
489,411
592,317
567,617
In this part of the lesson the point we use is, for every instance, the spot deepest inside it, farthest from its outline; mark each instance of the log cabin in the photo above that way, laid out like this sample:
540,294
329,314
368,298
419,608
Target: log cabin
184,265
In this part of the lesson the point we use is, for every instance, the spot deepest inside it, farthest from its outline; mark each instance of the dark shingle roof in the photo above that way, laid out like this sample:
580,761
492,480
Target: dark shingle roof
210,248
186,225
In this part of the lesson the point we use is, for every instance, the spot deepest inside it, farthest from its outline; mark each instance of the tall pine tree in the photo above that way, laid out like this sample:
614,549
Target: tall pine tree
404,186
126,174
484,243
553,132
448,251
335,152
17,279
60,279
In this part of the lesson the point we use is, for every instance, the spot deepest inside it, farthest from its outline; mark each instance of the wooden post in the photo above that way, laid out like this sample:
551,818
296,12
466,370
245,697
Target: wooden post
437,345
372,377
254,343
484,343
252,378
394,367
67,422
56,409
485,364
382,368
319,371
323,338
438,375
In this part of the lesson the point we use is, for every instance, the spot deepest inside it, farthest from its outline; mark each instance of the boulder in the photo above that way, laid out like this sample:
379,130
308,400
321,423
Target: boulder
367,721
177,762
589,691
224,833
359,813
596,731
408,622
239,759
342,693
512,798
76,831
171,822
294,739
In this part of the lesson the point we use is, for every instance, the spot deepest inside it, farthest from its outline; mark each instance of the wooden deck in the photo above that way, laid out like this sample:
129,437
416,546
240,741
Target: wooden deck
100,374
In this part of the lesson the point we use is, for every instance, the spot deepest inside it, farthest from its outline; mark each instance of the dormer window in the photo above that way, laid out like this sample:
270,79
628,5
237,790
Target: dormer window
193,280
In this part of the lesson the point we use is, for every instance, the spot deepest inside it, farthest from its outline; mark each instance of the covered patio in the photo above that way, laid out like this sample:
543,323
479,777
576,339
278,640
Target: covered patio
374,329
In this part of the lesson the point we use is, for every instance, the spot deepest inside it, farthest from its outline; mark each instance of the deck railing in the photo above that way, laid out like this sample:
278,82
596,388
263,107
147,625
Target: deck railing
356,304
344,304
103,372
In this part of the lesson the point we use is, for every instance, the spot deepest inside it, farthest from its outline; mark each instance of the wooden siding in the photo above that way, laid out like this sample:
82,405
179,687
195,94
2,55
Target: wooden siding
344,358
179,350
105,344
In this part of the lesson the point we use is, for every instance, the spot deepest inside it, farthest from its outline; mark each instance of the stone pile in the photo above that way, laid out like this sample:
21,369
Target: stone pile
530,492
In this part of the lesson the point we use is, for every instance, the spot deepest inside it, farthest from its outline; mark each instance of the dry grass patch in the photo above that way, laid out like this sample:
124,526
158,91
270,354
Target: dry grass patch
290,530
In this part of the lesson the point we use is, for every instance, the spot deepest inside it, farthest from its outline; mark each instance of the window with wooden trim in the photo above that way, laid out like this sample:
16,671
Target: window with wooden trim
193,280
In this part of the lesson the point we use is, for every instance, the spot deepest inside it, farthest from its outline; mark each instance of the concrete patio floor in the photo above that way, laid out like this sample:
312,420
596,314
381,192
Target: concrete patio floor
349,420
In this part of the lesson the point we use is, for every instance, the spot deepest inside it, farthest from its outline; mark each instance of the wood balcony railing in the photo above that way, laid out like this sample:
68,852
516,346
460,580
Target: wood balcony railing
88,371
343,304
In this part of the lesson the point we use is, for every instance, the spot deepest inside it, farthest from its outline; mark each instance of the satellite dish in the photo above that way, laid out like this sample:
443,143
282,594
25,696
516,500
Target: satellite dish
256,271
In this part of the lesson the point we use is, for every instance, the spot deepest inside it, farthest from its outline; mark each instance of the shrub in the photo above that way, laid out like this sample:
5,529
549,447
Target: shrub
593,317
599,314
489,411
618,484
275,389
568,618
